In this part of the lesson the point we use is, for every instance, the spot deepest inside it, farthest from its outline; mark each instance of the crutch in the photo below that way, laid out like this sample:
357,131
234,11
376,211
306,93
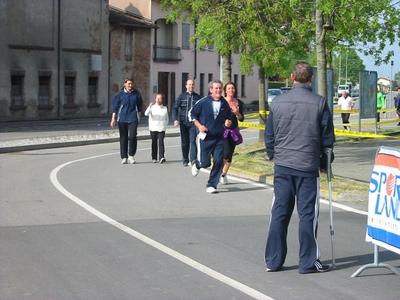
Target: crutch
328,152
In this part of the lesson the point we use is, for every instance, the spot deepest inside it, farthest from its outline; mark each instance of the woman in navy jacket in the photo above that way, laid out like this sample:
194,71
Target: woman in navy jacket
126,110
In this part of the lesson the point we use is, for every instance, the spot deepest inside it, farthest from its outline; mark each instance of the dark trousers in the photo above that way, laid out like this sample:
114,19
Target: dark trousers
157,144
128,138
207,148
286,189
378,115
229,148
345,119
188,141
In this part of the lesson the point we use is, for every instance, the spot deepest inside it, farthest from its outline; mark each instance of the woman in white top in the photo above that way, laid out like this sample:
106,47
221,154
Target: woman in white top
158,121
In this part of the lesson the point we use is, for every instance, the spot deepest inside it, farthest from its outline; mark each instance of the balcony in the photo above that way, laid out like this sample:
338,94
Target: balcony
166,54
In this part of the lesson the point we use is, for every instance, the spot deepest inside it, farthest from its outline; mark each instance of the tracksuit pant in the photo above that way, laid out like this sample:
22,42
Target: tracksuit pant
188,141
286,189
128,138
211,146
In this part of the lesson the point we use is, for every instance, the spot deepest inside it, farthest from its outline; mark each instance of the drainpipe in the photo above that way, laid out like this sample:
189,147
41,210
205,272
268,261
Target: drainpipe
195,52
59,61
109,66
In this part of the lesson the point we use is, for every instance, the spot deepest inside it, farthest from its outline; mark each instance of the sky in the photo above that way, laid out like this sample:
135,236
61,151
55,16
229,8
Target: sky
384,70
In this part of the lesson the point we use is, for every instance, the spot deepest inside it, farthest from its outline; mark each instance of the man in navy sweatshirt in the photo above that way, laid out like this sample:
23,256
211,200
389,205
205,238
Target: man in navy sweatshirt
211,115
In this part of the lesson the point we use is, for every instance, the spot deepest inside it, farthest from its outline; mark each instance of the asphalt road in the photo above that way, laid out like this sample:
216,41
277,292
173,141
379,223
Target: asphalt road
76,224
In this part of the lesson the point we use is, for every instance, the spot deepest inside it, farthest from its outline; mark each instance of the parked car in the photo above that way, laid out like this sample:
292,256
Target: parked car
272,93
286,89
354,93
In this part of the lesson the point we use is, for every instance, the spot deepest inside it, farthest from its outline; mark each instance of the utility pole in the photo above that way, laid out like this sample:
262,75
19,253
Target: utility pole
340,67
345,81
390,79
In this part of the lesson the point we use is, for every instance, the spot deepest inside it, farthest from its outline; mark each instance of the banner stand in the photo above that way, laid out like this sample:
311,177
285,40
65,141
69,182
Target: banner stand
383,225
376,264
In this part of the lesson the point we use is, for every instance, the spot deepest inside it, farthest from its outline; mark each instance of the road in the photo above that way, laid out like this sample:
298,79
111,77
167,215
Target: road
76,224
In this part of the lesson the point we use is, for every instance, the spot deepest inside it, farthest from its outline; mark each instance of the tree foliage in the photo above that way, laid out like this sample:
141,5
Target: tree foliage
274,34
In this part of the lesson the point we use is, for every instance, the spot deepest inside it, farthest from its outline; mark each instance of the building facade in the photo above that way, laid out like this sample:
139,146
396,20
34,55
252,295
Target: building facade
67,59
174,59
52,59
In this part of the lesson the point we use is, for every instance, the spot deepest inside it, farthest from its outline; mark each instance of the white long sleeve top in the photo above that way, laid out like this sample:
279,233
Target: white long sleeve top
158,117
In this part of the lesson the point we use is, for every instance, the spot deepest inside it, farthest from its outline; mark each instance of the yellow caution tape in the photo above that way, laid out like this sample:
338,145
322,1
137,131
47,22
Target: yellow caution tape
252,125
363,134
356,111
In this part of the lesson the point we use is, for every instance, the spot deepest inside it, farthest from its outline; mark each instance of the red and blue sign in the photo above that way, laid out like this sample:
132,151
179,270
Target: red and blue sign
384,200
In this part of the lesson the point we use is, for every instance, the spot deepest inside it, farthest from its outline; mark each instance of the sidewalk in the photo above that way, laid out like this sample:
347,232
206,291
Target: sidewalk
35,135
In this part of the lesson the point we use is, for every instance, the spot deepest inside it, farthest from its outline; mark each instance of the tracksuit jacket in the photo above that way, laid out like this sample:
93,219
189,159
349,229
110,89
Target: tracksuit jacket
203,112
184,102
127,105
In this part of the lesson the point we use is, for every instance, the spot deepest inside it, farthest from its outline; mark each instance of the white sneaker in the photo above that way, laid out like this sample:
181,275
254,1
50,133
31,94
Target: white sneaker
211,190
195,171
131,160
162,160
224,180
154,160
124,161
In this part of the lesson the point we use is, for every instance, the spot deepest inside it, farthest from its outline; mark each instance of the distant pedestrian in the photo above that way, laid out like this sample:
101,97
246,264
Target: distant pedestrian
158,121
299,128
397,104
380,104
180,109
211,115
232,135
126,110
345,103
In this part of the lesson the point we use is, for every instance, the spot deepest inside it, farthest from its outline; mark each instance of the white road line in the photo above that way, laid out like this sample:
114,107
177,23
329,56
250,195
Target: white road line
186,260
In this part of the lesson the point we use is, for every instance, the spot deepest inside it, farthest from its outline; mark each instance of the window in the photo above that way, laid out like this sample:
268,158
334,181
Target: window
69,91
243,87
185,77
129,44
17,89
44,91
210,77
185,36
201,84
92,90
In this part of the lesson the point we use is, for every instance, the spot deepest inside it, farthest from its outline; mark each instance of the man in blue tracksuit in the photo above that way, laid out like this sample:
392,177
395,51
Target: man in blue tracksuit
126,110
180,109
211,115
299,128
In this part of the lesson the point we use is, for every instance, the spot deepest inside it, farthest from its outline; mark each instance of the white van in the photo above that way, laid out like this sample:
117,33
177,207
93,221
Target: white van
342,88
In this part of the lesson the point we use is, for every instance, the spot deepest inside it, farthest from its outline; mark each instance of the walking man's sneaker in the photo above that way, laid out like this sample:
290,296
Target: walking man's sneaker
319,267
195,171
211,190
124,161
131,160
223,180
162,160
154,160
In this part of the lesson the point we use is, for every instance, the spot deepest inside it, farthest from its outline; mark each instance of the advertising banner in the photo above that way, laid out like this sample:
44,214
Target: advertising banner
384,205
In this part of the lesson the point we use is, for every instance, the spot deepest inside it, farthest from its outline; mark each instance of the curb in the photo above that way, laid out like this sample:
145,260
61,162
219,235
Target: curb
324,193
31,147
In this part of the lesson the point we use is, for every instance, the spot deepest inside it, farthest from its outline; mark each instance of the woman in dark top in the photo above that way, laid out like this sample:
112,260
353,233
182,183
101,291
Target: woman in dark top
232,135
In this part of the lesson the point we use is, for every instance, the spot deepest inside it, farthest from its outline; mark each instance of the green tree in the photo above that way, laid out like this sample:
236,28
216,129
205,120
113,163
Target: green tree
364,25
348,65
261,30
